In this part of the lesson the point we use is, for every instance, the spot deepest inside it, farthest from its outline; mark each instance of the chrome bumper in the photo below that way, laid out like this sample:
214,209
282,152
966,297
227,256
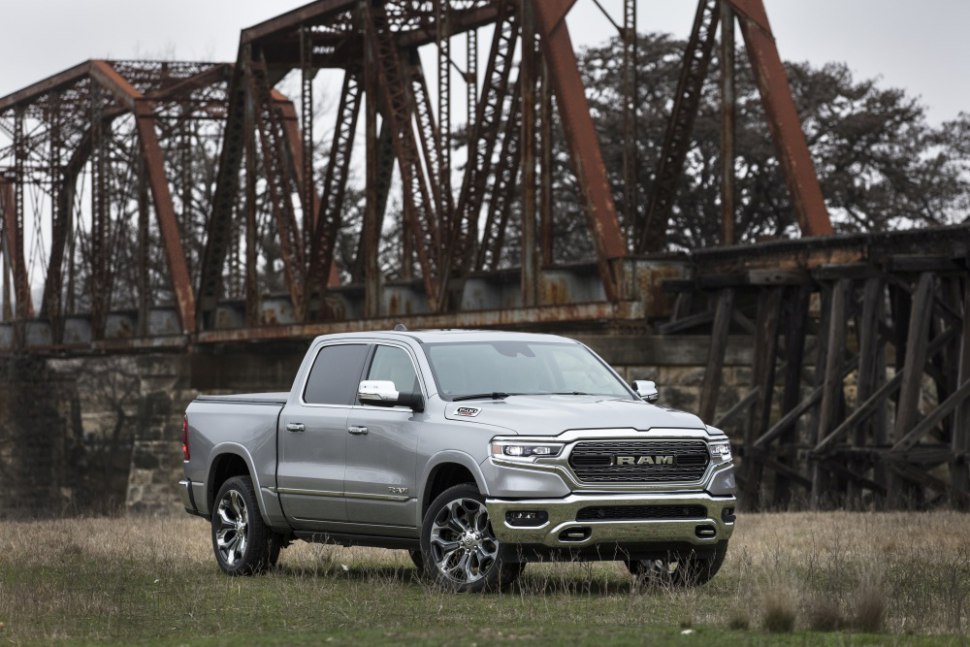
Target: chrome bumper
562,530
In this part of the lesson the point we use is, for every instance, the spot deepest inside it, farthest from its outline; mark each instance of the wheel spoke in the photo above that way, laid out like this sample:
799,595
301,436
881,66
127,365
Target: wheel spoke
443,544
224,519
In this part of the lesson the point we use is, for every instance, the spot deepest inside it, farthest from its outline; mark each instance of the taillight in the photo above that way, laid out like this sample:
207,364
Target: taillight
185,437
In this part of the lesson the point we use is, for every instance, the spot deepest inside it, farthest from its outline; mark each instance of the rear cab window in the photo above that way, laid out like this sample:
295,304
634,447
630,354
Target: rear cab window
335,375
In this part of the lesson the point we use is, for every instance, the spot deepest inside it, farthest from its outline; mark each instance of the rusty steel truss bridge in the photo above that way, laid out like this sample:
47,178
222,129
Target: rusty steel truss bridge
165,206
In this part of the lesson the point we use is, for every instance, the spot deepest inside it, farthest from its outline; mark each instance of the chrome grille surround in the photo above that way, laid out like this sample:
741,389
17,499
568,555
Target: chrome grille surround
593,461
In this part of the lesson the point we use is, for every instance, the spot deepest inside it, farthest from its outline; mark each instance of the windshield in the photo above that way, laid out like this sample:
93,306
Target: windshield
494,369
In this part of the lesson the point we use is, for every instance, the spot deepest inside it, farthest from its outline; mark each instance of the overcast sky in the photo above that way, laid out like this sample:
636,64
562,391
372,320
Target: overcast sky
921,46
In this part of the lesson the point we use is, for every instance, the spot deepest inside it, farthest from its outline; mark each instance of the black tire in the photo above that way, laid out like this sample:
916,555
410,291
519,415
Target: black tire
680,569
418,560
458,548
242,542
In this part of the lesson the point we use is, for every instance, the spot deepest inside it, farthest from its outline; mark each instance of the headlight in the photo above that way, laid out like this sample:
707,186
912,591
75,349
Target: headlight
720,450
509,449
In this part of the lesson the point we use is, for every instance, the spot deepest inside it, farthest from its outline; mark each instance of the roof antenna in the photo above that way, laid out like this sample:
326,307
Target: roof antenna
400,328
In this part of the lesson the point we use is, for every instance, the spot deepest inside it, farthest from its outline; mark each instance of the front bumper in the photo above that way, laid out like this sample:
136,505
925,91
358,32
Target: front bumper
563,530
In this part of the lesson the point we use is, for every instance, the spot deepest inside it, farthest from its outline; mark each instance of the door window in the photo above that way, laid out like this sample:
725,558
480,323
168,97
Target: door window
335,375
394,364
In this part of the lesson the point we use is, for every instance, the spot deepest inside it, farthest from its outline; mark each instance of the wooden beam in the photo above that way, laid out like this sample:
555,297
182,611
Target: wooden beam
763,379
927,423
796,318
960,424
713,373
871,370
792,416
832,387
917,343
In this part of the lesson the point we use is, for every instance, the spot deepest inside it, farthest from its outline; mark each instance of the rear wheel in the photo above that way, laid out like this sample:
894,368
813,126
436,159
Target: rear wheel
242,542
679,568
459,549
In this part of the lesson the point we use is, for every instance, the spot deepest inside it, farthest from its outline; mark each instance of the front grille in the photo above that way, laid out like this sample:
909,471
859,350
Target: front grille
641,512
594,461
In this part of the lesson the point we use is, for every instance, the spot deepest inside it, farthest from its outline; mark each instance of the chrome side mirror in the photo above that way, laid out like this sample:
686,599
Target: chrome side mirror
377,392
383,393
647,390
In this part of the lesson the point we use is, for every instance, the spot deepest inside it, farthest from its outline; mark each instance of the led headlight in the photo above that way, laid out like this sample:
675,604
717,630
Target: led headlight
720,450
509,449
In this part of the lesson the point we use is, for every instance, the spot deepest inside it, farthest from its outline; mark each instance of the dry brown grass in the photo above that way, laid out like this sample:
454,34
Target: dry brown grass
128,579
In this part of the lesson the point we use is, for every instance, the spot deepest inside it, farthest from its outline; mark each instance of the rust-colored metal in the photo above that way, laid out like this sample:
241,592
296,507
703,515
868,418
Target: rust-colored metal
488,118
278,172
144,111
330,218
582,140
367,251
398,110
528,77
545,183
786,129
697,57
728,108
631,185
13,245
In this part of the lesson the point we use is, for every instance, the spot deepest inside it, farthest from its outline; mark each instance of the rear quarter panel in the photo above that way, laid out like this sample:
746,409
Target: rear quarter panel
247,430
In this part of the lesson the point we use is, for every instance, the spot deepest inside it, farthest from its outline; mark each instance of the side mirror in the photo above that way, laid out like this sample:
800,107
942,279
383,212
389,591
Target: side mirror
383,393
646,389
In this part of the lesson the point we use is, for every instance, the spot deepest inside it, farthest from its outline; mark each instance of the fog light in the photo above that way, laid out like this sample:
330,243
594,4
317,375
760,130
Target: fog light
727,515
526,518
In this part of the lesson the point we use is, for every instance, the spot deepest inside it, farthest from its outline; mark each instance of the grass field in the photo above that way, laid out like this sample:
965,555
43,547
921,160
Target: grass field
834,579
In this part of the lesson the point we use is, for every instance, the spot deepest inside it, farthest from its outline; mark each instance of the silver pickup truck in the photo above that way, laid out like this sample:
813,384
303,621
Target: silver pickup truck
476,451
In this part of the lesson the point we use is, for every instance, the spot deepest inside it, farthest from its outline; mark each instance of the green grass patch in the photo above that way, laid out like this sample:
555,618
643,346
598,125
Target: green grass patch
154,582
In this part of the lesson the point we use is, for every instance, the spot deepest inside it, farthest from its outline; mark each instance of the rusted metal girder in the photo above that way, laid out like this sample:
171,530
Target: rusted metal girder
786,129
278,171
144,111
728,109
14,241
503,189
529,278
431,143
224,198
398,110
631,185
687,98
330,216
581,138
484,133
12,251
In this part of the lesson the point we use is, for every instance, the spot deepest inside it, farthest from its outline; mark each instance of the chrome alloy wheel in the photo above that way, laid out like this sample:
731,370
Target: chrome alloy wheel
233,518
462,544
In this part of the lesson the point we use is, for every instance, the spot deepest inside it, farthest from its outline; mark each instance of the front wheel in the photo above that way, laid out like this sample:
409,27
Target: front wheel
685,569
242,542
459,549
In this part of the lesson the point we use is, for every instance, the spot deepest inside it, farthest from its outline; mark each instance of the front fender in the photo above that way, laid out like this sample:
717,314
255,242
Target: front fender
441,458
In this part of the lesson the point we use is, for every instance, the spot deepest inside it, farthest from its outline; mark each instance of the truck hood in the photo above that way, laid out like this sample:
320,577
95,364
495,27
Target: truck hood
550,415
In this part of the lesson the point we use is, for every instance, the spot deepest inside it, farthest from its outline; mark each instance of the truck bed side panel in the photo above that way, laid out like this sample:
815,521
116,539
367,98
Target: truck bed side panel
241,425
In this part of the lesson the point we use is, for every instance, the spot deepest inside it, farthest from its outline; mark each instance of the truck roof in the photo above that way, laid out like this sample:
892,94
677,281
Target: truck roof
451,335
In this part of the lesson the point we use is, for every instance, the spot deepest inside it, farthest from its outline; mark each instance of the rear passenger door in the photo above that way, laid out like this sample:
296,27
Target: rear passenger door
313,437
380,477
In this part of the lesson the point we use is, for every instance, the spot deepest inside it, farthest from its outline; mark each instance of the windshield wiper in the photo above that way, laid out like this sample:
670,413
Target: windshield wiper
570,393
495,395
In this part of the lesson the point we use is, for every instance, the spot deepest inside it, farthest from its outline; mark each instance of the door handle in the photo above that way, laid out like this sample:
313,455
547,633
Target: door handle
296,426
357,431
